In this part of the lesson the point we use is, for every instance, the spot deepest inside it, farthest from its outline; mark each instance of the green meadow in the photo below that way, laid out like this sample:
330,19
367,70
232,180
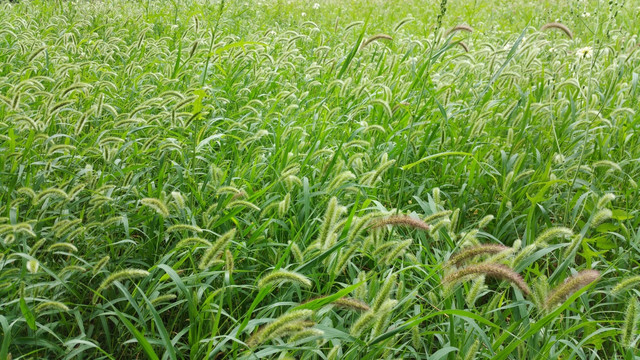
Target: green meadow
283,179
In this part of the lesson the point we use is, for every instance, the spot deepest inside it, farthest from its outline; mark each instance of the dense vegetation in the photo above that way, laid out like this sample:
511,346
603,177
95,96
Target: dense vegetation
336,180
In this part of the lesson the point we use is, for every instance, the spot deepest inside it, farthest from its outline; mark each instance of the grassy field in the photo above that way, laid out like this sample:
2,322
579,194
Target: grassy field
283,179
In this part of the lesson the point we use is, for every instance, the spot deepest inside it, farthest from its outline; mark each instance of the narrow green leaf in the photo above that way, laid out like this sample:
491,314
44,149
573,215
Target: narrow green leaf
148,350
28,314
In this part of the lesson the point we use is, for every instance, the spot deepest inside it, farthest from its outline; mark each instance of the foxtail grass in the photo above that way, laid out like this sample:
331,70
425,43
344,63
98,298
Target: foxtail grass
376,37
497,271
469,253
552,233
214,251
282,276
294,320
559,26
437,216
630,323
626,284
570,286
157,205
352,304
461,27
384,292
49,305
126,274
463,45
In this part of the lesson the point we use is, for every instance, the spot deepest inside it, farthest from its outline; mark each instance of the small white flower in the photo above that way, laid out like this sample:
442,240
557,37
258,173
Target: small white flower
32,266
303,14
585,52
316,6
586,14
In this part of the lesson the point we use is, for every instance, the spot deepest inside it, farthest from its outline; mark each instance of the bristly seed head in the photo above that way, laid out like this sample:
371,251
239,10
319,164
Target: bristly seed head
404,220
552,233
559,26
375,38
570,286
293,320
352,303
280,276
461,27
630,323
471,252
498,271
625,284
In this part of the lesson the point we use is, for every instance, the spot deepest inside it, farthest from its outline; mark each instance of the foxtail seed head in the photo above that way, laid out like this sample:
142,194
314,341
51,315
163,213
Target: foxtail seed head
477,287
498,271
357,226
163,298
630,323
552,233
384,313
601,216
605,200
461,27
297,253
334,353
397,251
288,321
281,276
471,252
362,291
179,199
51,305
463,45
33,265
626,284
364,322
305,333
184,227
376,38
540,292
437,216
570,286
330,217
214,250
352,304
126,274
191,241
100,264
472,351
228,264
416,338
559,26
485,221
384,292
158,205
